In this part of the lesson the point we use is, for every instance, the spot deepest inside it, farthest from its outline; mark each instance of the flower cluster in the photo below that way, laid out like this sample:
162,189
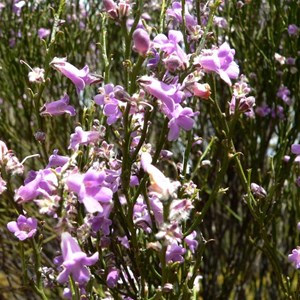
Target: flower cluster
131,161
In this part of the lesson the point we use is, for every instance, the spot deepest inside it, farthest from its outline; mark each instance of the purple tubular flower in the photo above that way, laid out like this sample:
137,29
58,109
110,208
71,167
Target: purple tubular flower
245,104
111,8
175,253
17,6
294,258
141,217
191,242
111,103
170,45
112,278
80,78
263,110
43,32
157,209
56,160
167,93
44,182
101,221
284,94
154,60
141,41
90,190
81,137
58,107
109,5
221,62
74,261
293,30
295,149
176,13
24,228
180,118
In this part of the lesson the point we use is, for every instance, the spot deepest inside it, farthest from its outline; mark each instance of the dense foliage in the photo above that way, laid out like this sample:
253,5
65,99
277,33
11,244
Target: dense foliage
149,149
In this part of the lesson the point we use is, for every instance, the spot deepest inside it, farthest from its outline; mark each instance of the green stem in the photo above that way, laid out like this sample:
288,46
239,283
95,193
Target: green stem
104,49
37,266
208,148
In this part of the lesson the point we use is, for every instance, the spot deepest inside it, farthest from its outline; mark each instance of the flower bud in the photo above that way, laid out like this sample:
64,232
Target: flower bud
123,8
111,8
202,90
109,5
258,190
40,136
141,41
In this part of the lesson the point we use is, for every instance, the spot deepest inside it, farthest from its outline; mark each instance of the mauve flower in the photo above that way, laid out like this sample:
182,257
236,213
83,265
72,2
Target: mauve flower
141,217
141,41
278,111
154,60
220,61
293,30
294,258
295,149
220,22
101,221
245,104
284,94
111,8
111,104
109,5
17,6
134,181
180,118
191,242
67,293
58,107
74,261
170,45
290,61
175,253
124,8
263,110
81,137
56,160
90,189
124,241
41,183
169,94
176,13
112,278
80,78
24,228
43,32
